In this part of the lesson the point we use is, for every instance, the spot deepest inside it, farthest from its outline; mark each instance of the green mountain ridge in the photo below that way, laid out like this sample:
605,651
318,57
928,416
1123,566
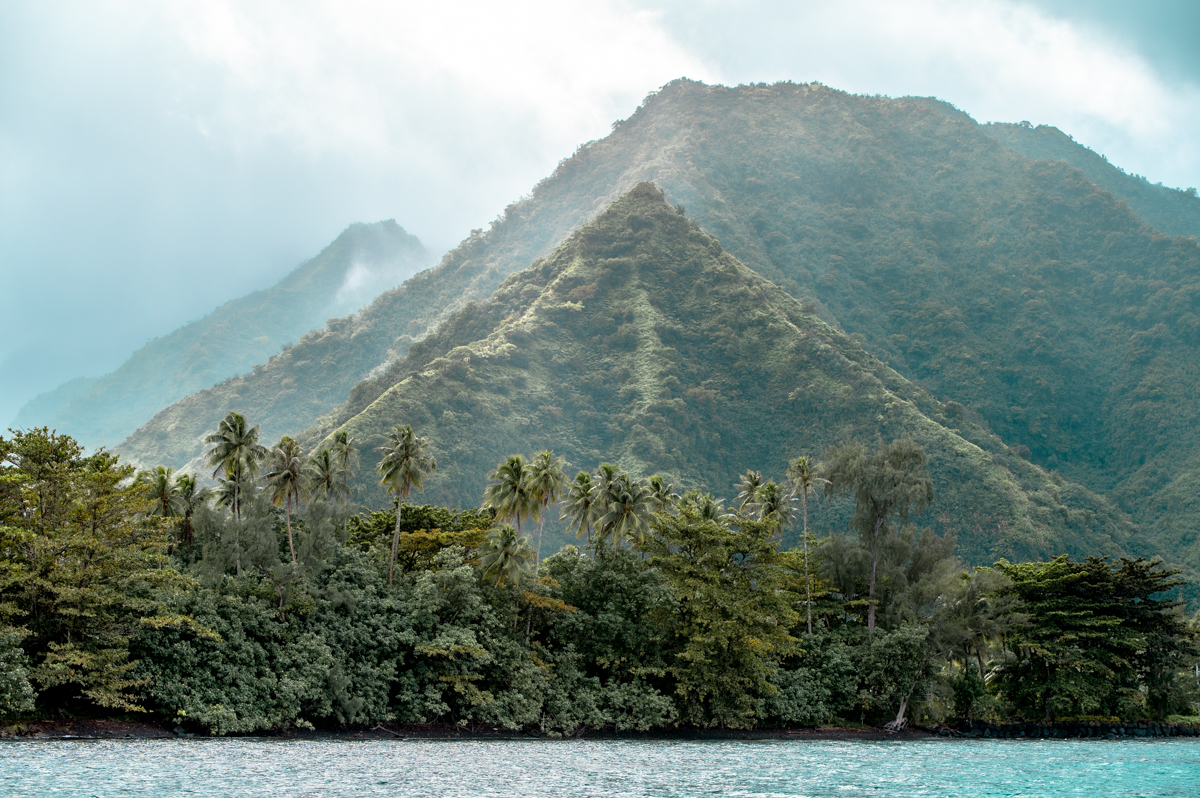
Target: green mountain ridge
352,270
640,341
1173,211
1037,300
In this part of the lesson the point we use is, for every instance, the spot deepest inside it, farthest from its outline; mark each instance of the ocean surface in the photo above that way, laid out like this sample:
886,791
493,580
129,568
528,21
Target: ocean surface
579,769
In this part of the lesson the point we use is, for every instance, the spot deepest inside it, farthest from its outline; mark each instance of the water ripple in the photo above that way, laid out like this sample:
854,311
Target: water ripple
598,769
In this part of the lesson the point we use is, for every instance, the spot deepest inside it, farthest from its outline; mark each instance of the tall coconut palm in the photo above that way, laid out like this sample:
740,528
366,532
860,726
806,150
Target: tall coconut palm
344,449
806,481
161,488
405,464
325,476
627,507
662,494
287,482
231,492
748,487
546,485
582,505
508,492
505,556
235,448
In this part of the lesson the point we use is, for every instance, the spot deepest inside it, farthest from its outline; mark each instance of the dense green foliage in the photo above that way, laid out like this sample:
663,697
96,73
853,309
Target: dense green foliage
697,621
233,338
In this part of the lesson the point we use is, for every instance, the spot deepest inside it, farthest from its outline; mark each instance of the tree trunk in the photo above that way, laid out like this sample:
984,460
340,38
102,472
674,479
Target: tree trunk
287,517
874,562
537,560
395,544
807,573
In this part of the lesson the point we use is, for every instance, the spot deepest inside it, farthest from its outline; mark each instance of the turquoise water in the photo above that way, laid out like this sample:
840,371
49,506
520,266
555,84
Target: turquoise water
587,769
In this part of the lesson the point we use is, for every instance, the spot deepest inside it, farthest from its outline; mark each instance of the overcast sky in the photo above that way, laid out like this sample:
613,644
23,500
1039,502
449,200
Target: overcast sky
157,158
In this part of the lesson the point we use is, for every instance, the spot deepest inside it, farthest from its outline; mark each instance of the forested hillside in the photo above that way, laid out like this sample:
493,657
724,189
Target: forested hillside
363,261
640,341
1171,210
1038,302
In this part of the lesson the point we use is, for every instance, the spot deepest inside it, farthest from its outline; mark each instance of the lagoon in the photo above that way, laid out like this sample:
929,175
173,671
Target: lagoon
598,769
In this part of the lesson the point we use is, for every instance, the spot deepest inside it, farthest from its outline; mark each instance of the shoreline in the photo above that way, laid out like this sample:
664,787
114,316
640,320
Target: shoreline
100,729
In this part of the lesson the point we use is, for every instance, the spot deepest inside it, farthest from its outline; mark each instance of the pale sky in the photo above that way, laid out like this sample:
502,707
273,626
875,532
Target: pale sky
158,158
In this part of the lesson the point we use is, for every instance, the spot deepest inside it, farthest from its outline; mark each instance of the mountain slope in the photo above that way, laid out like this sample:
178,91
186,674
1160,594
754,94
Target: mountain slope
1019,288
1171,210
640,341
364,260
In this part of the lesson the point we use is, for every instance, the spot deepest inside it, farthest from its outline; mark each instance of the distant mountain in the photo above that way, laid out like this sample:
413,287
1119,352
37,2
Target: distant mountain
363,261
641,341
1036,300
49,404
1171,210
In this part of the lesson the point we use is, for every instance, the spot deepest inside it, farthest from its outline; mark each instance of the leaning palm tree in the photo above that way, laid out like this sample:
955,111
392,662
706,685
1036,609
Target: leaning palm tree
546,485
161,488
286,479
505,556
325,476
235,448
627,505
582,505
806,481
748,487
508,492
405,464
662,494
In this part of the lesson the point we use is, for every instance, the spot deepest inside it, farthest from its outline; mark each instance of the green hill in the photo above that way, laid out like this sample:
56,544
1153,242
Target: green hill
1174,211
641,341
1038,301
356,267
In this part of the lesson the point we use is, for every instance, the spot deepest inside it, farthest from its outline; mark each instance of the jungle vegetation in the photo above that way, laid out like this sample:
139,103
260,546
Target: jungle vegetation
273,600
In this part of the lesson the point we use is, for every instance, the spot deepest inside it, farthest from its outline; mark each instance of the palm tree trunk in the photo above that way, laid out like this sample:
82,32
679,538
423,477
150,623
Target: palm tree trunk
538,559
287,515
807,572
395,543
874,562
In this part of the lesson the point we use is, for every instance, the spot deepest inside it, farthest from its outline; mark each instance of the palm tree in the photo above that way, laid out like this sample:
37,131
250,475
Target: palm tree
404,466
345,454
287,481
708,508
162,490
748,487
191,496
505,556
627,504
583,505
508,492
235,449
662,494
806,481
230,492
774,504
325,476
546,485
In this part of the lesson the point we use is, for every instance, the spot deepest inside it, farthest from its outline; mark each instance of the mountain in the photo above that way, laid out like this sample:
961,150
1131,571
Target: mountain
51,403
641,341
1036,300
1174,211
363,261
